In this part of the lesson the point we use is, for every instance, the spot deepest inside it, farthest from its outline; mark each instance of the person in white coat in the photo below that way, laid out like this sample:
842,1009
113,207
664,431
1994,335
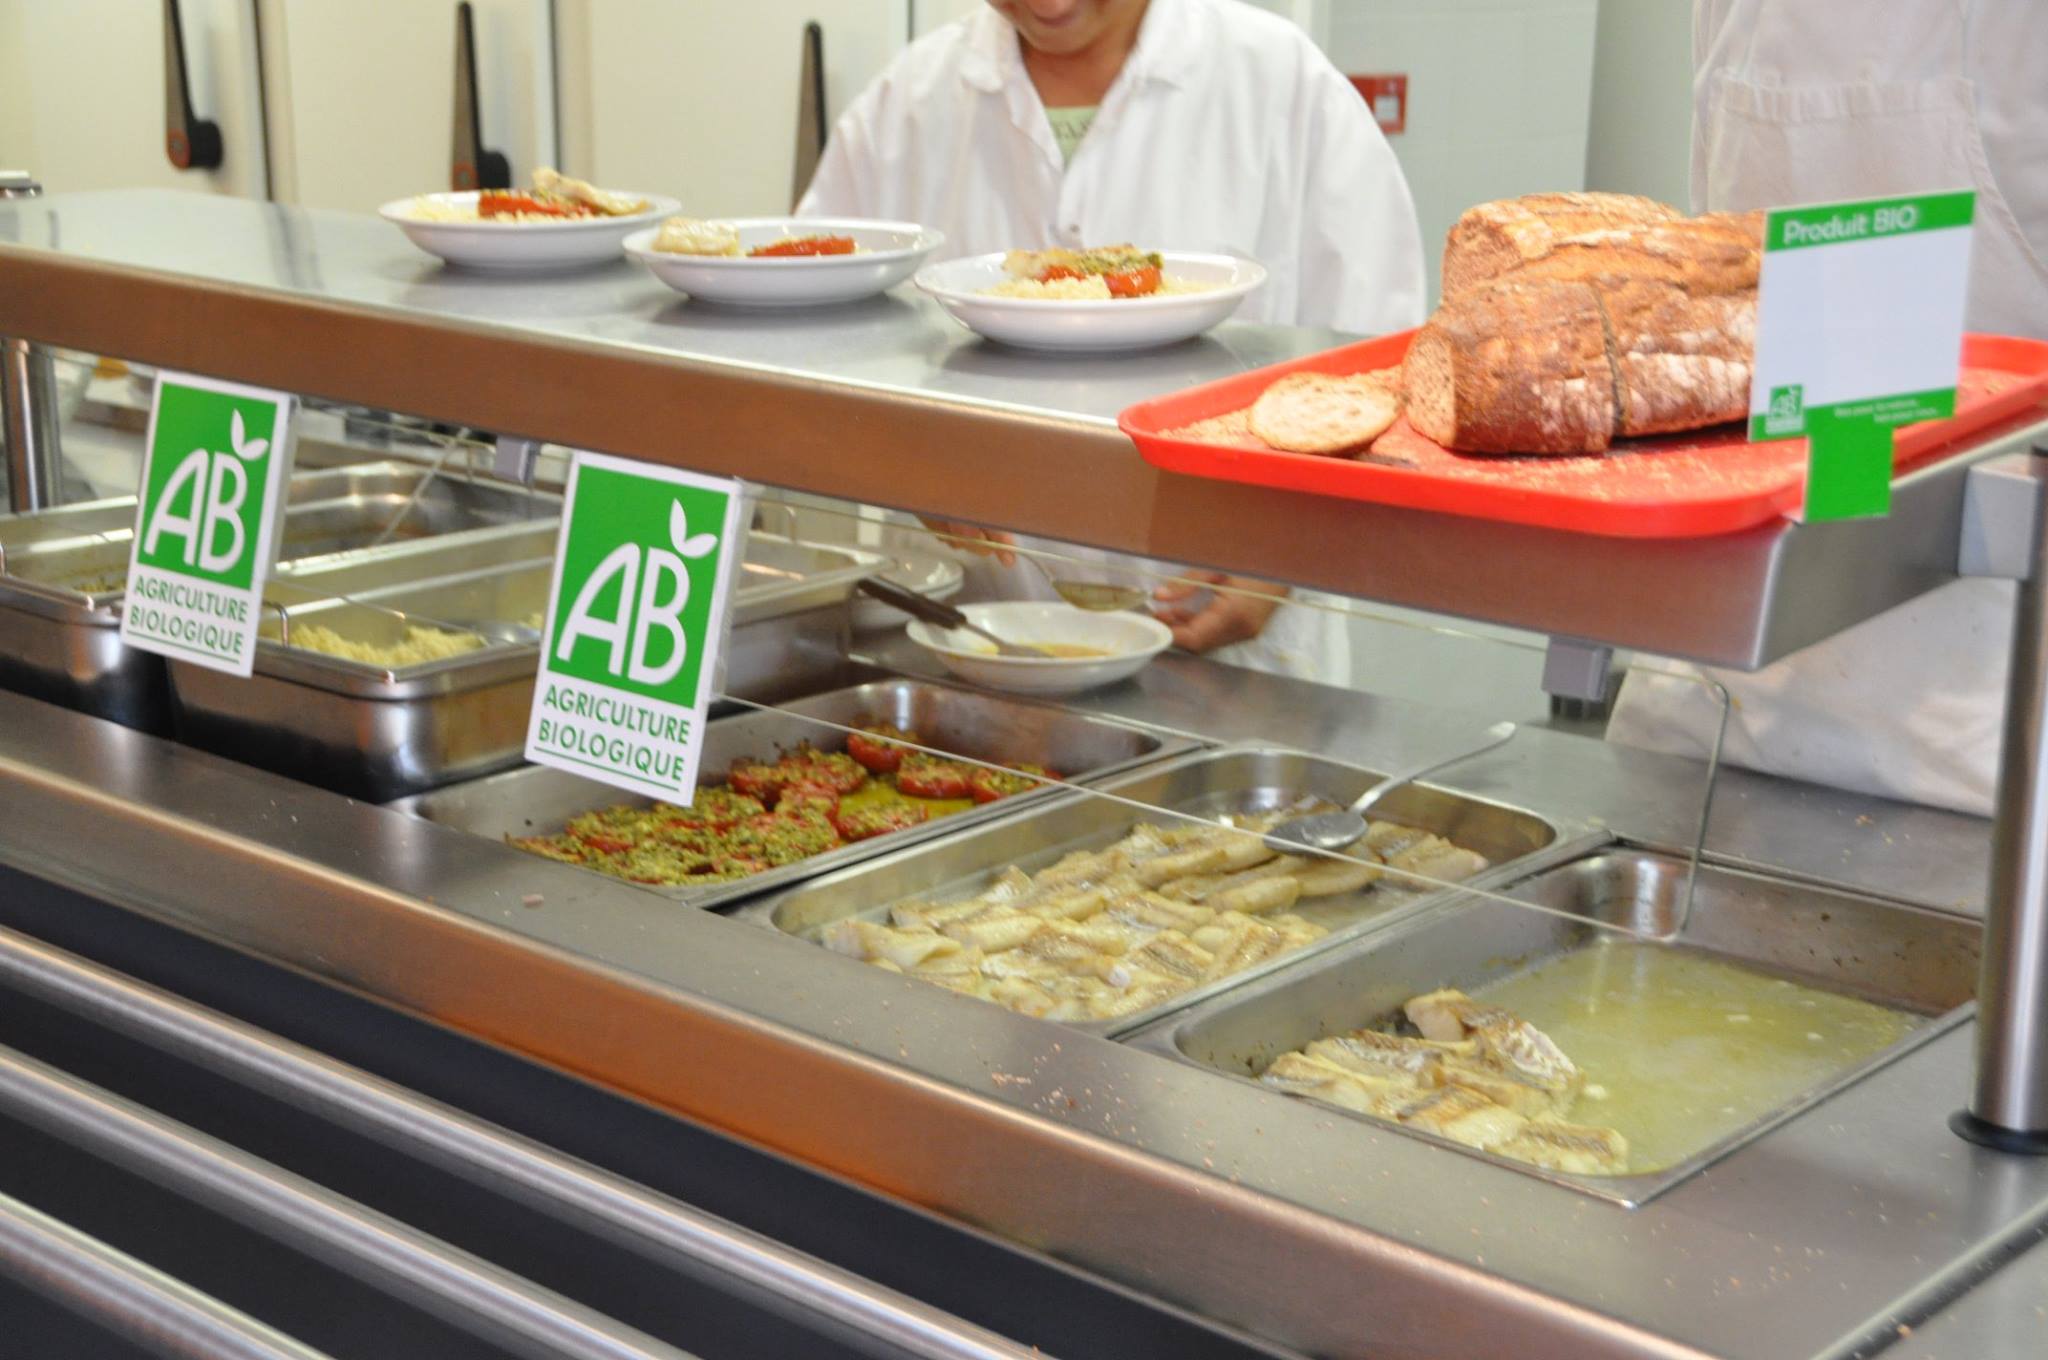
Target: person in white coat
1203,125
1833,99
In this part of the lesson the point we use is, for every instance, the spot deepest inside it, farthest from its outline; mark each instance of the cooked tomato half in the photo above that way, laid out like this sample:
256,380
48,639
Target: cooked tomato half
859,824
985,786
876,748
923,776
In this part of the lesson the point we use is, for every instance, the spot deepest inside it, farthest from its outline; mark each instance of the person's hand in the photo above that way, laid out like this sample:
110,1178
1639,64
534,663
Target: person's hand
975,539
1237,614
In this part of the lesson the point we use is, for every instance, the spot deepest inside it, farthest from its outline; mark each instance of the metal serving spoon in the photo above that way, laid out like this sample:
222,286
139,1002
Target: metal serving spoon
943,615
1101,597
1336,830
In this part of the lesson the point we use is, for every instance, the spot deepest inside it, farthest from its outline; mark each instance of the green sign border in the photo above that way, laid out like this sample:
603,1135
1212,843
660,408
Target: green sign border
1858,220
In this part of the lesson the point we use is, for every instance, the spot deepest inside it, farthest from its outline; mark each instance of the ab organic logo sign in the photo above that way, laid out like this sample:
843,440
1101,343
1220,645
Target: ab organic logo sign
218,458
193,519
634,624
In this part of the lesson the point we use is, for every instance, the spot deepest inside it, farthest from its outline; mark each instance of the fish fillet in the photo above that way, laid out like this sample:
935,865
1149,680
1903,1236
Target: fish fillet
1413,1061
1253,899
1197,859
1579,1149
872,940
1173,956
1463,1116
1329,877
1300,1075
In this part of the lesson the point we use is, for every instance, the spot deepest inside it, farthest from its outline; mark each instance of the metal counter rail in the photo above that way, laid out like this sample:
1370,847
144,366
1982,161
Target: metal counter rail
668,1232
887,401
124,1296
454,1286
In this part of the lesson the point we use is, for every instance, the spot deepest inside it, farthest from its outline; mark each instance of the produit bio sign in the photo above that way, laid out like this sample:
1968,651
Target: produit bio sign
1859,331
634,624
218,459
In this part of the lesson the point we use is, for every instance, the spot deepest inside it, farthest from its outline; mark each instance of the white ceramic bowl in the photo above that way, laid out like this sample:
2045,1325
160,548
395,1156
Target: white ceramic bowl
1131,640
1093,325
887,253
935,578
516,246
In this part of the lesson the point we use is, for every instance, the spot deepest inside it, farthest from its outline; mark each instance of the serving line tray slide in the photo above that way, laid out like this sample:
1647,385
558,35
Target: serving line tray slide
1690,485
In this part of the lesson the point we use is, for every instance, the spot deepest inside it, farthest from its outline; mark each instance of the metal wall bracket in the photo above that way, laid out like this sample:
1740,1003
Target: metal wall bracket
1579,677
516,460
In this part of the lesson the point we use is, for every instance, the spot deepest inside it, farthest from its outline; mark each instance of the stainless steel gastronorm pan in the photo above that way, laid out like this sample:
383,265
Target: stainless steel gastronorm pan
60,643
372,731
539,800
1909,958
381,733
1208,784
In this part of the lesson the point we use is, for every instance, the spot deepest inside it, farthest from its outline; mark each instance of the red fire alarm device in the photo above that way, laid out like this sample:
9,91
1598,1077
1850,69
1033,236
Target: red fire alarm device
1387,97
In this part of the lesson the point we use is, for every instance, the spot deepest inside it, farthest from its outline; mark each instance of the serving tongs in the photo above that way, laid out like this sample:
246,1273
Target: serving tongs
942,615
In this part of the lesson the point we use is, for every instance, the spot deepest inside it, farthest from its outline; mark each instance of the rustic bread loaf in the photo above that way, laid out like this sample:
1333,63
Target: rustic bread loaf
1493,238
1505,366
1515,366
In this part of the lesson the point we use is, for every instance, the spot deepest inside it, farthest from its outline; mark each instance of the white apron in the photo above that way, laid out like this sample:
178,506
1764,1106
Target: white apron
1909,704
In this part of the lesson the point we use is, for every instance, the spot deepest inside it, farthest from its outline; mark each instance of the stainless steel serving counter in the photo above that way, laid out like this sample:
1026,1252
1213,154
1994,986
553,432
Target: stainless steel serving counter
887,401
2005,1315
1302,1227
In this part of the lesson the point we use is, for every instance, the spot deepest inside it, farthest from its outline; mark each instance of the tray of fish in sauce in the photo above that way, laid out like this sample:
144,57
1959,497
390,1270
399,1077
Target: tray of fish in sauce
1618,1060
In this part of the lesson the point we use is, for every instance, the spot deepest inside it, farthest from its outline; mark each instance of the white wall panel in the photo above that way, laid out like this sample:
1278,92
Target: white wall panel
1641,140
1498,95
699,100
82,93
363,93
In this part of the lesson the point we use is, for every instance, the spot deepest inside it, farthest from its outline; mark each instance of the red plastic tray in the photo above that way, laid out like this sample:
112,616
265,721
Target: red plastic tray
1711,481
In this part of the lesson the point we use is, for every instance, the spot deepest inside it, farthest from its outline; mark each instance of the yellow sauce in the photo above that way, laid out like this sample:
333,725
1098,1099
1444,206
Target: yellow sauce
1686,1048
1069,650
875,793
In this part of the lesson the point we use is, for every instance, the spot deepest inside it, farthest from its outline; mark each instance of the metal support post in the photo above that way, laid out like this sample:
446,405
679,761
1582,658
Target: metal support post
28,401
2009,1105
28,404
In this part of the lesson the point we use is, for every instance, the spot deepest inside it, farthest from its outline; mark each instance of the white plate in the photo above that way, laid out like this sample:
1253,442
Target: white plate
512,246
935,578
1096,324
887,253
1131,640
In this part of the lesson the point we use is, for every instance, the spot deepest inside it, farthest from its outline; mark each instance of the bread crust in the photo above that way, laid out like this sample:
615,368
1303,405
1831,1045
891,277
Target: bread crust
1514,366
1494,238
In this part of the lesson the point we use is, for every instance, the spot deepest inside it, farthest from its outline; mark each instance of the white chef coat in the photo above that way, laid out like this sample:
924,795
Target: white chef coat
1226,130
1829,99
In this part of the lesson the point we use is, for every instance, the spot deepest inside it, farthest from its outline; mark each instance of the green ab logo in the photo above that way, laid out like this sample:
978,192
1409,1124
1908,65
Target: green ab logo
203,504
1787,413
643,631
